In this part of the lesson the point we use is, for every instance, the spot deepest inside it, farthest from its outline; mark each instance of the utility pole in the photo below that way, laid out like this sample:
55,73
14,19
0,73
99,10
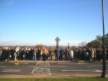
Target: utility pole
103,43
68,46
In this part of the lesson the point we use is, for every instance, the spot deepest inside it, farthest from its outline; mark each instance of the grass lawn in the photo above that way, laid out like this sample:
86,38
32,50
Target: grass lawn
55,79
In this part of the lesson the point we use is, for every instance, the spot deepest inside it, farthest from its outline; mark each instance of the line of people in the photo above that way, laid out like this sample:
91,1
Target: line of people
43,53
7,54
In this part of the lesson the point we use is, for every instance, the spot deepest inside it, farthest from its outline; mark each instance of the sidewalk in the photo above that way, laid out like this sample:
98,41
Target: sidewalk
54,75
52,62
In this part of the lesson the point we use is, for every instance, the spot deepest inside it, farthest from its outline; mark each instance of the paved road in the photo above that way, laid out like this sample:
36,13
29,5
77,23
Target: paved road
51,69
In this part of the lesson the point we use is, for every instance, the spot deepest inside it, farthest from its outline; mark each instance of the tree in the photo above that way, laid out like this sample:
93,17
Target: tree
98,42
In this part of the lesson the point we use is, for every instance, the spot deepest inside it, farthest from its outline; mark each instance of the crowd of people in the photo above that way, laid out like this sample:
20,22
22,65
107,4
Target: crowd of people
46,53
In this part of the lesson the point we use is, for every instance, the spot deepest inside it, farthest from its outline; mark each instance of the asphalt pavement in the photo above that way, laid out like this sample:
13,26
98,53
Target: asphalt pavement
49,69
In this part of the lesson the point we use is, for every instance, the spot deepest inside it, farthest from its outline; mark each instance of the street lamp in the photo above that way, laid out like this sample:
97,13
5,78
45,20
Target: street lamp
57,39
103,43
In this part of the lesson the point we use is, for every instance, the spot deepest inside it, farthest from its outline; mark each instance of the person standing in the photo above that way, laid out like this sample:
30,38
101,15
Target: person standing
71,54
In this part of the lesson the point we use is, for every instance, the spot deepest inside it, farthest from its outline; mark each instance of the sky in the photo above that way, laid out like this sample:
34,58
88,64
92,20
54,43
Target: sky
41,21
